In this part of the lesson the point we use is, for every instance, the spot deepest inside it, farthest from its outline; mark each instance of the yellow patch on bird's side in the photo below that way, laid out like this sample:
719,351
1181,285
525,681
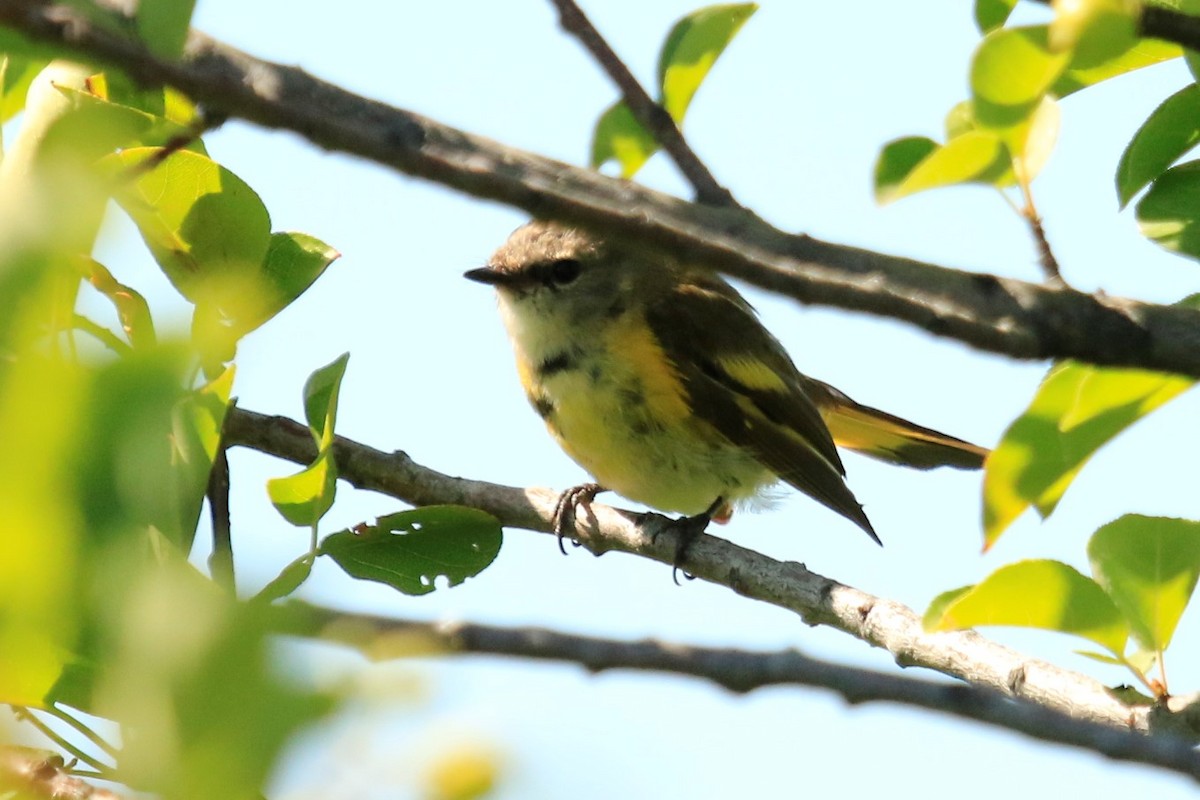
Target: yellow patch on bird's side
664,393
752,373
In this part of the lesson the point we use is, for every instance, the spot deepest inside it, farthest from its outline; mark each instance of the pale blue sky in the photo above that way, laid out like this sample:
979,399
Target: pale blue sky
791,121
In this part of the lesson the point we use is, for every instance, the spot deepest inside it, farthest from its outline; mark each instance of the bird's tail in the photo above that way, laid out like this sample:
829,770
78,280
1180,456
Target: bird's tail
889,438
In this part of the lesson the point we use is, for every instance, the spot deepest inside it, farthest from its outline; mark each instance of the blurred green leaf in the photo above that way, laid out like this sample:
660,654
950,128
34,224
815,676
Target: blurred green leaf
620,137
896,161
163,25
692,47
287,581
321,399
1168,213
1095,31
973,157
1149,567
1011,72
991,14
205,227
937,607
1038,143
203,713
1040,594
1076,410
132,310
411,549
18,75
1144,53
1167,134
196,425
305,497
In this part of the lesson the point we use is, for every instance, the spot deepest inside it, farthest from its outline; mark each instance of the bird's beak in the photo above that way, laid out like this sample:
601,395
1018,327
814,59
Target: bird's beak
488,275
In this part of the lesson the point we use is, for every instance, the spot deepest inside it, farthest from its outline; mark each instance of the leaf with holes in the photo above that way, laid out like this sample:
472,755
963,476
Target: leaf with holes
411,549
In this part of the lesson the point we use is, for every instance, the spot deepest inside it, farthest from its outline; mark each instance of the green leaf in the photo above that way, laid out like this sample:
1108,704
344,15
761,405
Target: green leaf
1149,567
321,399
991,14
193,675
294,262
287,581
196,434
1041,594
163,25
692,47
1096,31
305,497
1168,133
688,53
1038,142
132,309
18,75
1144,53
620,137
1076,410
973,157
896,161
1169,212
1192,59
1011,72
937,607
206,228
411,549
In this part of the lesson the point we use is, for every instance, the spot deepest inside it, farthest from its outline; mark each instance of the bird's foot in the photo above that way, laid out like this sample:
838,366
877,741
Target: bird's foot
564,509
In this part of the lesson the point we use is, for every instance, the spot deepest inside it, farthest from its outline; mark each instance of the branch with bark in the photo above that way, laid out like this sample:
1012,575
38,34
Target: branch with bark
817,599
1003,315
739,671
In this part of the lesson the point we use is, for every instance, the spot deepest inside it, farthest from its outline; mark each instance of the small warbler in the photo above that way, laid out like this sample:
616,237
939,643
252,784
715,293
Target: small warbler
661,382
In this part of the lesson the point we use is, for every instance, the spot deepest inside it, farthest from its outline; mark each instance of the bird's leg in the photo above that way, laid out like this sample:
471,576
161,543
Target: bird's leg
564,509
688,529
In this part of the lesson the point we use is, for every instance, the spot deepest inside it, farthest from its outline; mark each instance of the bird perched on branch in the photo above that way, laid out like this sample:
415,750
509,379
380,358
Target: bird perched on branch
661,382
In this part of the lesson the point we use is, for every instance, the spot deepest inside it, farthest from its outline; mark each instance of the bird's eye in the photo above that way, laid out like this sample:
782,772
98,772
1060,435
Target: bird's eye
564,271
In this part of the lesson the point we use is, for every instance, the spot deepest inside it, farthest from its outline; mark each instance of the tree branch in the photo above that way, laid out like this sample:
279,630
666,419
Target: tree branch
1017,318
738,671
39,773
653,117
1170,25
817,599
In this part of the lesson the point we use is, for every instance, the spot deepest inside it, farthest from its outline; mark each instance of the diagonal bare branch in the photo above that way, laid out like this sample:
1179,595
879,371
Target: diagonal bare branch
817,599
1017,318
650,114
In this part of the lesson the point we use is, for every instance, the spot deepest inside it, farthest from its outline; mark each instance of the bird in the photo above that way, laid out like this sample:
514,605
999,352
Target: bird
660,381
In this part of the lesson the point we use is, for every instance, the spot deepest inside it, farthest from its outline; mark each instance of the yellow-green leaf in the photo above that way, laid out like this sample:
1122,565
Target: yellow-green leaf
304,498
1168,133
974,157
1012,70
1041,594
620,137
1076,410
692,47
321,399
1149,567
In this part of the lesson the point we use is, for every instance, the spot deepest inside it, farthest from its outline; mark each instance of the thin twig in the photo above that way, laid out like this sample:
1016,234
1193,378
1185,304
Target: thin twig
80,726
26,715
653,117
818,600
741,671
220,562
